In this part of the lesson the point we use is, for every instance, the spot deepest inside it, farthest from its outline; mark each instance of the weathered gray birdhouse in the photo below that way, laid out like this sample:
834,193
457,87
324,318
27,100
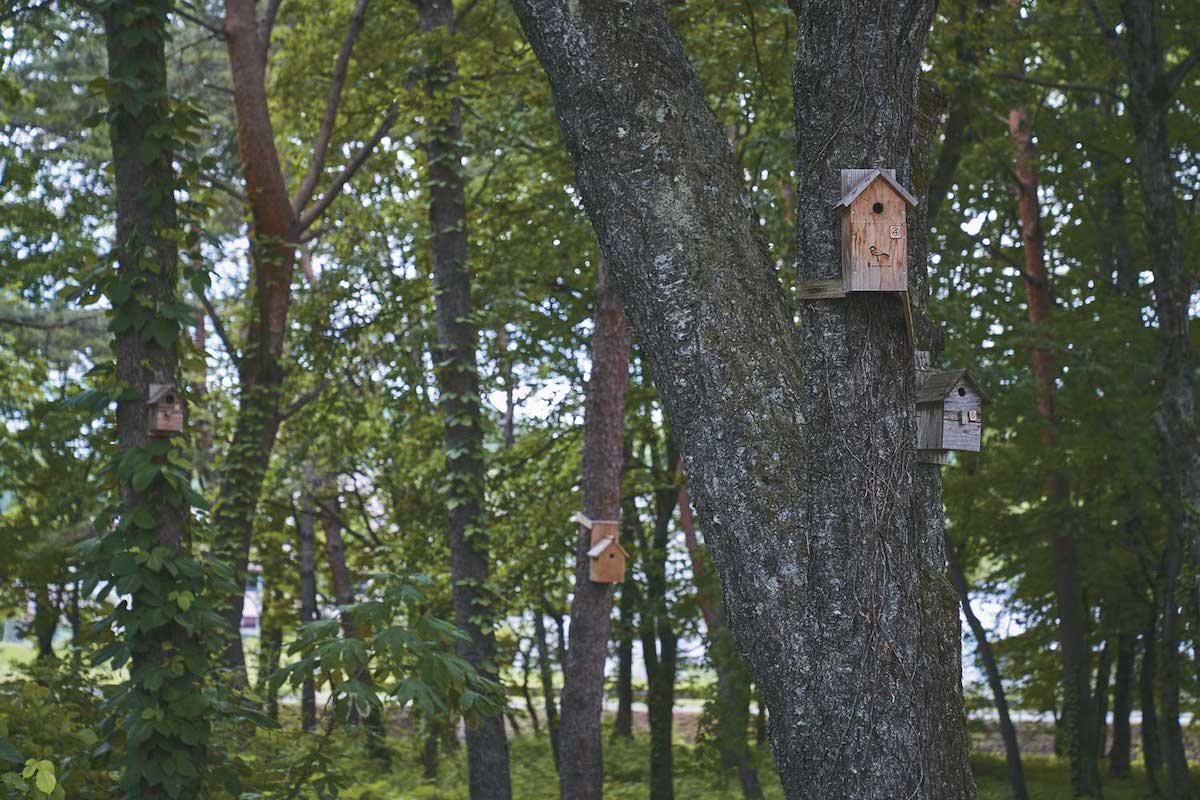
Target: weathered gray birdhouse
874,209
165,410
949,414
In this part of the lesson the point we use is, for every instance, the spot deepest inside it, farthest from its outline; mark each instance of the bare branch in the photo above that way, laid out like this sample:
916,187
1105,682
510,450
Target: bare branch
212,26
267,23
84,320
332,101
1065,87
311,215
219,327
304,399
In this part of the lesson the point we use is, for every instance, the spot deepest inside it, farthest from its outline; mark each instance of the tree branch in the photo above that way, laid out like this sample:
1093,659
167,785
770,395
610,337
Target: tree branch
219,327
212,26
1066,87
304,399
332,101
1110,35
1180,70
267,23
80,320
311,215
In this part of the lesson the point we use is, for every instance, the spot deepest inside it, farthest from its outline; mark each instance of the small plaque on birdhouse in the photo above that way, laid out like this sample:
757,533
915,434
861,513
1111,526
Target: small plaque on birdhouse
164,410
949,414
874,209
606,557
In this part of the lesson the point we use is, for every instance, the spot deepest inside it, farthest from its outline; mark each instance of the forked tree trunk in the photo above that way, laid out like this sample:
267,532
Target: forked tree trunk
581,763
167,657
1008,731
458,382
1078,713
1120,757
800,443
733,682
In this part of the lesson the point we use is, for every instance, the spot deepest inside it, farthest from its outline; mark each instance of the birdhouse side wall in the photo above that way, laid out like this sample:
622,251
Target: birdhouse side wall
884,268
929,427
959,431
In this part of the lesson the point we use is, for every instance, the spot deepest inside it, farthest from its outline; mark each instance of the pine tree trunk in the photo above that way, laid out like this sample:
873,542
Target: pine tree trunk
733,682
458,382
306,530
807,541
1078,713
169,651
581,763
1120,756
1008,732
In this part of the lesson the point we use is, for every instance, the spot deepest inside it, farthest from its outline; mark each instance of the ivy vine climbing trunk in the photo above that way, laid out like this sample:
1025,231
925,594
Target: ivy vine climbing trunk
1078,713
458,385
800,444
580,764
147,553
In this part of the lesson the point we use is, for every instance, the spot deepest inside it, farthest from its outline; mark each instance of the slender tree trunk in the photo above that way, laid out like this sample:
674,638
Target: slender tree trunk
1008,731
526,658
274,611
1103,674
806,540
581,763
1151,742
167,657
1078,725
733,681
45,622
487,748
547,678
306,530
623,721
1121,756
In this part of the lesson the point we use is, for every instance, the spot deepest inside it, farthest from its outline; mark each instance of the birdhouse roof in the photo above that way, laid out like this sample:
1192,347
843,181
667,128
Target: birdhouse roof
939,384
599,547
868,179
158,391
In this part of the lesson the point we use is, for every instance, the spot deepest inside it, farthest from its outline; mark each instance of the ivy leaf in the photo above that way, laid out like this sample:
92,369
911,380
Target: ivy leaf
145,476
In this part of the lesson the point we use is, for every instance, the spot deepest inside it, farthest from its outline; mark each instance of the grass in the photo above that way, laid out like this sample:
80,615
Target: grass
1047,778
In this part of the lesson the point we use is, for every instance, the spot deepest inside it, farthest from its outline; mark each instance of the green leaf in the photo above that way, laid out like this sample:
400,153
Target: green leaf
9,753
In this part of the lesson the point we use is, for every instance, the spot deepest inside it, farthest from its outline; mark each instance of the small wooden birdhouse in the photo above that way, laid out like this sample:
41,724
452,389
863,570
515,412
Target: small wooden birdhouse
165,410
949,414
606,557
874,209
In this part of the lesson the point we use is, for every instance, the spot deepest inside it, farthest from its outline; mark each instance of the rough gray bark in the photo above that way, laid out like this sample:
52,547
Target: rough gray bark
800,444
1120,756
580,763
458,382
1008,732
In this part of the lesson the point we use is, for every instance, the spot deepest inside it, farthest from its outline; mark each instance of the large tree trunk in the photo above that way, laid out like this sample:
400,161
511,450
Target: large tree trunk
1120,756
1150,98
1008,731
820,555
1078,727
306,533
733,681
581,763
167,657
458,382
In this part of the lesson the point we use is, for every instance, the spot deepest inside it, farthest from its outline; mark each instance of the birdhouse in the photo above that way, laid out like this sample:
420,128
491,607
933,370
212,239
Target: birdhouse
949,414
165,410
606,557
874,209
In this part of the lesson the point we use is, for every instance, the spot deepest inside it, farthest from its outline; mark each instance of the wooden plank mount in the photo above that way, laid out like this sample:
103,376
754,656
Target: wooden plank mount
606,557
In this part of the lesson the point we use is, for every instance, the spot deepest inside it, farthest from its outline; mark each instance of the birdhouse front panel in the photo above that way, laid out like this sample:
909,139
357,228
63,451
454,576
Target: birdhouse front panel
607,562
164,413
874,231
962,419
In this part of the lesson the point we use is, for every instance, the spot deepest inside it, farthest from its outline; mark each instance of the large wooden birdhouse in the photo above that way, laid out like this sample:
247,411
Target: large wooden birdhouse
874,209
606,557
949,414
165,410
